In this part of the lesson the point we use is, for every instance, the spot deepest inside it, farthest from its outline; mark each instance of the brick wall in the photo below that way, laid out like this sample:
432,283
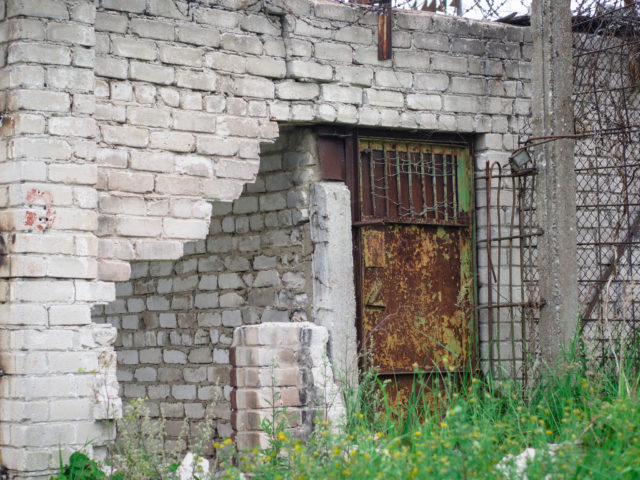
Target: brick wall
122,119
49,350
281,366
176,320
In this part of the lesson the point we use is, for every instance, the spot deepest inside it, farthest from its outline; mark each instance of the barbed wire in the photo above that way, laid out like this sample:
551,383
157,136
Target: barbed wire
481,9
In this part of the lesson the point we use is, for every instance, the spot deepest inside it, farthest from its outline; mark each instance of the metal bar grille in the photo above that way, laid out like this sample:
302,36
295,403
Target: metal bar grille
407,182
511,279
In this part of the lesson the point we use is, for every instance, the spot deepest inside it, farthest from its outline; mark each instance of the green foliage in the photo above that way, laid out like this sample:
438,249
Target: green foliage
80,467
582,424
139,453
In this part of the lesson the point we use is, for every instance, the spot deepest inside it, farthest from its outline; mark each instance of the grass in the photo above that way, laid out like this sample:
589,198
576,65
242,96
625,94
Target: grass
583,425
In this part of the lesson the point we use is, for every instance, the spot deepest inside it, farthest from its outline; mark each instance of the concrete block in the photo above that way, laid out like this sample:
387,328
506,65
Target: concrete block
336,93
73,126
309,70
424,102
111,22
185,229
74,34
133,6
241,43
266,67
145,93
128,136
432,41
38,100
468,46
32,148
259,24
183,392
111,67
198,35
254,87
24,314
150,161
152,29
334,51
130,182
273,201
194,121
201,355
134,48
449,64
226,62
467,85
172,141
45,54
230,300
355,76
138,226
84,13
384,98
354,34
206,300
196,80
192,57
453,103
393,79
414,60
151,73
53,9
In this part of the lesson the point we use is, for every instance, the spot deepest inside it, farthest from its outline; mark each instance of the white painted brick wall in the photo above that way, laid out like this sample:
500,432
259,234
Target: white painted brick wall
109,122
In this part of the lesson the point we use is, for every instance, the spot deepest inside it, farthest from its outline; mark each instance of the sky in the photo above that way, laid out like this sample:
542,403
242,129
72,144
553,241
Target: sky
479,8
504,7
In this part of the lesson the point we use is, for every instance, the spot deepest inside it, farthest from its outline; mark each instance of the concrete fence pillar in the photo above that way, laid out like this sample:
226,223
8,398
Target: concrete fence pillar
552,83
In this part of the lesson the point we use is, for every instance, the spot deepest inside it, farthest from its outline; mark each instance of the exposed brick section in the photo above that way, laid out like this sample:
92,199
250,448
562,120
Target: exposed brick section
282,366
176,318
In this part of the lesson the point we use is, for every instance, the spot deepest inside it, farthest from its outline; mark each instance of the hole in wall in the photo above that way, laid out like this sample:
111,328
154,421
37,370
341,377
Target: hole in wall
176,319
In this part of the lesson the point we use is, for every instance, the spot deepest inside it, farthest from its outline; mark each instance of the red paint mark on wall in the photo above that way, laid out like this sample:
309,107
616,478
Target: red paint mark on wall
35,195
31,218
40,219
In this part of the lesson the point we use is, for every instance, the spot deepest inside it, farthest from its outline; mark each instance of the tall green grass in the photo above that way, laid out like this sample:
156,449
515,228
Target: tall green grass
582,424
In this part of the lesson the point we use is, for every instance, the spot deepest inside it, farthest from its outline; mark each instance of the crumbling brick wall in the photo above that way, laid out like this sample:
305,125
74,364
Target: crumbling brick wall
122,119
175,320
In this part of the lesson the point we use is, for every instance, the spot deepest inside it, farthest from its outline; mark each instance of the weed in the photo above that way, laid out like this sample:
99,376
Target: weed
80,467
579,423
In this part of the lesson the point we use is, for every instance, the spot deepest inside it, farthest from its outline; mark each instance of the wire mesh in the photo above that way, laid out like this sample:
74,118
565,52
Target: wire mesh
607,110
478,9
606,65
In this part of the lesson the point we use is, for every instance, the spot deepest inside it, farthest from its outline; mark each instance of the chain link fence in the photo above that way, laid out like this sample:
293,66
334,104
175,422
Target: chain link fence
607,111
606,67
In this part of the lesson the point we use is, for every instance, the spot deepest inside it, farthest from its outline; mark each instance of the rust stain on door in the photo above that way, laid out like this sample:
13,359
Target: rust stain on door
416,316
414,228
374,248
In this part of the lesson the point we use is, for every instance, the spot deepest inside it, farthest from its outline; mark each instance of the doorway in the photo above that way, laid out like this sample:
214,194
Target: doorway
413,227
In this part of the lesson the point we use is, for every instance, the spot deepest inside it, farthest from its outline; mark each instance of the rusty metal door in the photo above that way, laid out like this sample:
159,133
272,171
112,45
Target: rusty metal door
414,237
